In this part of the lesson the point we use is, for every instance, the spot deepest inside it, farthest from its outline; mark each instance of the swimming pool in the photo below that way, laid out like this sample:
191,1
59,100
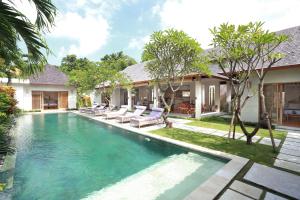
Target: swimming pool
66,156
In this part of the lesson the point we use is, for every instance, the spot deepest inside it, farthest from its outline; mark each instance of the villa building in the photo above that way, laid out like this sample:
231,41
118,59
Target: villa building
44,91
203,95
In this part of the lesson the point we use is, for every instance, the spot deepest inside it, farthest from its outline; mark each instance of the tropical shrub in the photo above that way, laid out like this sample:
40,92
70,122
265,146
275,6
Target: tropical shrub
8,110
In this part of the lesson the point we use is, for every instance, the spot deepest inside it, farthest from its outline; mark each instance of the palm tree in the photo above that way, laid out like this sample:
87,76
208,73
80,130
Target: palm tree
15,26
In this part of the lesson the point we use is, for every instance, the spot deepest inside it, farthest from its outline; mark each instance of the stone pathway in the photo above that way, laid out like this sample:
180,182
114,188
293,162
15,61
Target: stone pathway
289,155
182,124
276,180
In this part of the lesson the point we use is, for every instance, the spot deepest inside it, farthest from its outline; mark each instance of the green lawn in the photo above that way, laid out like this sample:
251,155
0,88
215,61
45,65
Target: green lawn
223,124
256,152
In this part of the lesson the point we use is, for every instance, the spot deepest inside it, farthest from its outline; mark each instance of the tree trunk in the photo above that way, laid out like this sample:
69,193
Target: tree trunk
8,79
264,115
249,139
231,124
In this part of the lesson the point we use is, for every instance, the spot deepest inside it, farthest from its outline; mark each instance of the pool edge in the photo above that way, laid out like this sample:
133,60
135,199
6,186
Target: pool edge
212,186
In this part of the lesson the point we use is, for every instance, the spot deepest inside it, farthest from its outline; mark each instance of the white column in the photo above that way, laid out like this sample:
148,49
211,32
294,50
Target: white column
218,100
198,98
228,96
129,101
156,97
115,97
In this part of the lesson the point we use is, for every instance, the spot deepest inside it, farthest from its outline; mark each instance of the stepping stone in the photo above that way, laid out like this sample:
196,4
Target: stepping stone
267,141
274,179
246,189
230,194
296,144
291,152
287,165
271,196
293,135
289,158
219,133
286,146
255,138
292,140
237,135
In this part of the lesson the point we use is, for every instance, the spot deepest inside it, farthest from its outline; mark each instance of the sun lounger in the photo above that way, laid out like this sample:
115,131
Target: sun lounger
114,114
126,118
85,109
153,118
93,110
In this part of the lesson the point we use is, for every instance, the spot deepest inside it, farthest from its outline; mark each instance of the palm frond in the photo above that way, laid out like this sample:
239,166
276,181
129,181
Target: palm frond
46,12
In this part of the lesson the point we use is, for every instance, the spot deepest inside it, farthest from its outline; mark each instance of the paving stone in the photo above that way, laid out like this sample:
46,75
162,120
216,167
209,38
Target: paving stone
254,138
271,196
295,144
218,133
267,141
230,194
277,180
293,135
286,146
237,135
289,158
246,189
292,140
291,152
287,165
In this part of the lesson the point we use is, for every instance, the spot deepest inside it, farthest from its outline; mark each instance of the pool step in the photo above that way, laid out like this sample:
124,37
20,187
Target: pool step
153,181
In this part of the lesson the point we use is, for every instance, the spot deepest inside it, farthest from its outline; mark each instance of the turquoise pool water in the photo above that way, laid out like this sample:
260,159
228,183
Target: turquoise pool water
66,156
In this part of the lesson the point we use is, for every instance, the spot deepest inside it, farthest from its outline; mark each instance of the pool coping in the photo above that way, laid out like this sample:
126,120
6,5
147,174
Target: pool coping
214,185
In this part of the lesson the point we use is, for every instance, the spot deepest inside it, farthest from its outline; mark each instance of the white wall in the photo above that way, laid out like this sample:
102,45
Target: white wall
250,111
24,94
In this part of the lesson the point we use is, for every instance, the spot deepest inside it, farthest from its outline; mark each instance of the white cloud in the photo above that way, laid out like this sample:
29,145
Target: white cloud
26,7
87,23
196,16
138,42
90,32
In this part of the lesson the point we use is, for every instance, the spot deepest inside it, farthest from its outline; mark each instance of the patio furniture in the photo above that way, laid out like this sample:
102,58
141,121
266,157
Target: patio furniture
114,114
153,118
84,109
185,108
100,112
128,116
94,110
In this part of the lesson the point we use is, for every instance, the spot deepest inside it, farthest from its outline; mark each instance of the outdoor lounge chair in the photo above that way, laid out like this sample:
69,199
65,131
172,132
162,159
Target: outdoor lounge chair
93,110
114,114
126,118
85,109
153,118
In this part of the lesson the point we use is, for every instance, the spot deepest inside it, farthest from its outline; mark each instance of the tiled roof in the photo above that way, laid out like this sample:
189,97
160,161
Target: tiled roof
290,48
50,76
137,72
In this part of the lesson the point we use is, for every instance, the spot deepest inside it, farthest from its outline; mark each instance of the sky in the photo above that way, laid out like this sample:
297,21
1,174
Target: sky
93,28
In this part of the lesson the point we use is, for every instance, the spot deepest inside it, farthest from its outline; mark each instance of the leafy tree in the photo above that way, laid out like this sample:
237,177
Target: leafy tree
71,62
85,75
85,79
172,55
241,51
117,61
15,26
